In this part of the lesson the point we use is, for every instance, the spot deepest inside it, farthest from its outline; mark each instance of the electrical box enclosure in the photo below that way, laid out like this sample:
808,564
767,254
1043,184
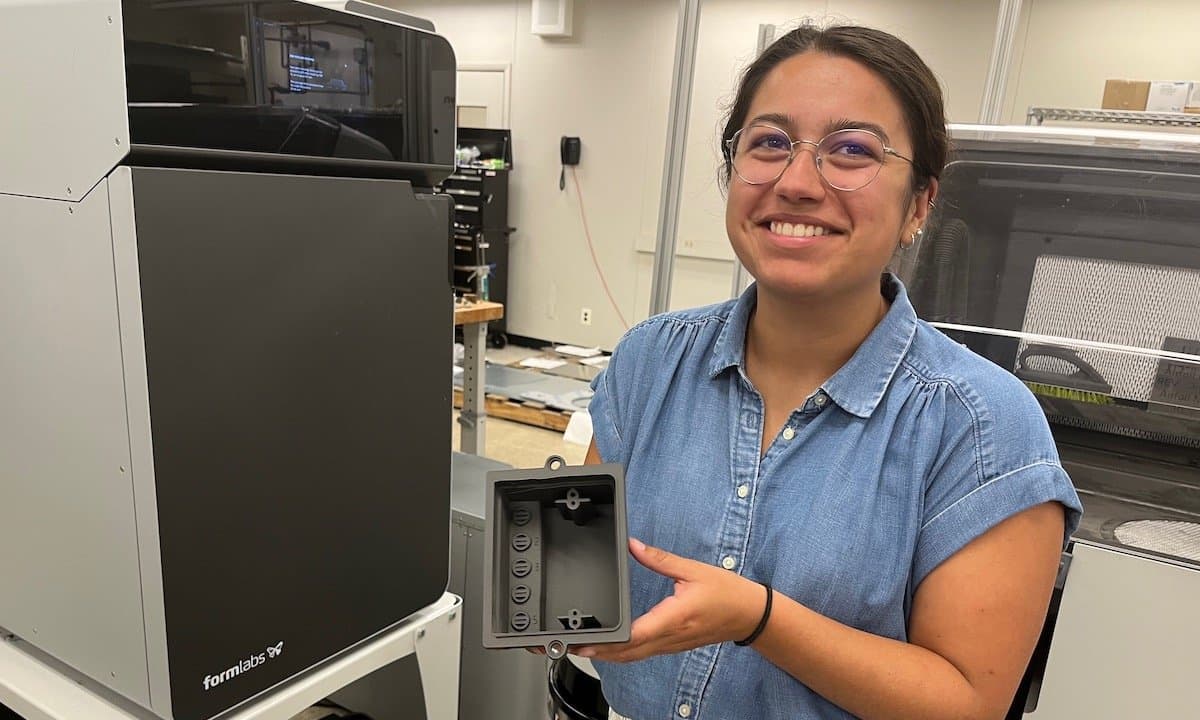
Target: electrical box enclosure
556,572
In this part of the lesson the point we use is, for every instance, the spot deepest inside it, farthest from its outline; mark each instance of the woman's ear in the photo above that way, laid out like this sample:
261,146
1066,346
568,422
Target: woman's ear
922,204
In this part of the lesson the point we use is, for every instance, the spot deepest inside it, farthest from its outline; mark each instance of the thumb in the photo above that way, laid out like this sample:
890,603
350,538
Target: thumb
660,561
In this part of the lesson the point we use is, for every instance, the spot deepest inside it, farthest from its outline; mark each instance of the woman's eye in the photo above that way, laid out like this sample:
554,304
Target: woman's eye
852,150
773,142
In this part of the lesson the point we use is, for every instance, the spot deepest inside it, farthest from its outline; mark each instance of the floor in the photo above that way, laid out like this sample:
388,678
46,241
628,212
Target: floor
518,444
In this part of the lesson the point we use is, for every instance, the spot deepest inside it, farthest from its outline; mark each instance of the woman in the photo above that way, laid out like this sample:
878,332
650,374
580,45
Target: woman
844,512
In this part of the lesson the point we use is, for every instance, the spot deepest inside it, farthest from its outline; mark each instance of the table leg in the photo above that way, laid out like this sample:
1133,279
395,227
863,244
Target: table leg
473,417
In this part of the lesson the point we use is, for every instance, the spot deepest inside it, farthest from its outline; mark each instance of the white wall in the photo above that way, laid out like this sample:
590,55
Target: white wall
610,85
1068,48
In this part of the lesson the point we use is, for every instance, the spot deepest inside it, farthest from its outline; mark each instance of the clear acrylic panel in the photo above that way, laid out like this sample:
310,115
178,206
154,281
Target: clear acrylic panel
1074,262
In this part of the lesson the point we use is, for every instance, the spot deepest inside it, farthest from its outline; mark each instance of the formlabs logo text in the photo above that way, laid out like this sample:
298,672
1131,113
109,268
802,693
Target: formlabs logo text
272,652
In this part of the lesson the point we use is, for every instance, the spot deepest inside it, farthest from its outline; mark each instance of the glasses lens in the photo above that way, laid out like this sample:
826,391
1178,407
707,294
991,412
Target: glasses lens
849,159
761,153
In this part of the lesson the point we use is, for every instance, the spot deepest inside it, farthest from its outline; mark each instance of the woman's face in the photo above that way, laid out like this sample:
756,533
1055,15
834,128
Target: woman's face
810,95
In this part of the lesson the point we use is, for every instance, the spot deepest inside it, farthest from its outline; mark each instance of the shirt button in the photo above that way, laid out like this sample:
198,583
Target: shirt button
743,490
728,562
788,433
685,710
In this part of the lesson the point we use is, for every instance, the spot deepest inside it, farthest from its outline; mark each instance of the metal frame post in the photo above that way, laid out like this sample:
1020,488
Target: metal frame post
472,417
688,29
992,106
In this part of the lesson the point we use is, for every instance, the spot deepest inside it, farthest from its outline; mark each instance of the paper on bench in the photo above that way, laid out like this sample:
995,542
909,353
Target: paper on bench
542,363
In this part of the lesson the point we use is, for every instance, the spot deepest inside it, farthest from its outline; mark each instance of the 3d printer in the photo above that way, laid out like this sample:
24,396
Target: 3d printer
217,462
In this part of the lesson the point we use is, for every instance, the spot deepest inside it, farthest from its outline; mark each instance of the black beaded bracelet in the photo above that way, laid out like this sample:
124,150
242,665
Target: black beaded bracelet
762,624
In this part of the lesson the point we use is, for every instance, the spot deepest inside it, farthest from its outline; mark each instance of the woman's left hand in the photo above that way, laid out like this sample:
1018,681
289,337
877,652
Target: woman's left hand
710,605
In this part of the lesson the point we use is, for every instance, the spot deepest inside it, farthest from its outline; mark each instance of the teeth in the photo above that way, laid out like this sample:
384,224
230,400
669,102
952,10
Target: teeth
782,228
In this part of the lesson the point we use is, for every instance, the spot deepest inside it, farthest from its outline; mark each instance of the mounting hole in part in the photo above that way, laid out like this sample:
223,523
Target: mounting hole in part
520,594
556,649
521,516
521,567
520,622
555,462
521,542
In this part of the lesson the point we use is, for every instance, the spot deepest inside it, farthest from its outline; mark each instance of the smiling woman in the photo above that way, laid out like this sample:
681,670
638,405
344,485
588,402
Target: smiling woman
844,513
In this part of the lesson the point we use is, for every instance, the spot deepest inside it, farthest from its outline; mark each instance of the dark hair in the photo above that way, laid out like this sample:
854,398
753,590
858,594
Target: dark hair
890,58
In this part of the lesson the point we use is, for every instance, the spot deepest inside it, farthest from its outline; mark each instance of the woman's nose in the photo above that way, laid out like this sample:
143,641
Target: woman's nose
800,179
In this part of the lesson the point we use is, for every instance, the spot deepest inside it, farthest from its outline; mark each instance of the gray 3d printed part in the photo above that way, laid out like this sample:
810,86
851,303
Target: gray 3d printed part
555,566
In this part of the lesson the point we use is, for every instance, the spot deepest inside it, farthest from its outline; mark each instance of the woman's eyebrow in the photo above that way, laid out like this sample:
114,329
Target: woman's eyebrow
783,121
848,124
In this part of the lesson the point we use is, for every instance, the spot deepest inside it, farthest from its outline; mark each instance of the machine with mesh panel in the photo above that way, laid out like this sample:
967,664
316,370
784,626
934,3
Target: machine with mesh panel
1071,258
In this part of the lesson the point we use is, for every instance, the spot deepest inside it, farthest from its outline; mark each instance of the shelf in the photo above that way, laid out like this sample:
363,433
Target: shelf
1038,115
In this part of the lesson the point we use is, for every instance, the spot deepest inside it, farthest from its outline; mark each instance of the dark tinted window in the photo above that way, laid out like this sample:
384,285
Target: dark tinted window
286,77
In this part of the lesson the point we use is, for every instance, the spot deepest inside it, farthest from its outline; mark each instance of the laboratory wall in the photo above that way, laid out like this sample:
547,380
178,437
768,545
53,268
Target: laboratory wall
1066,49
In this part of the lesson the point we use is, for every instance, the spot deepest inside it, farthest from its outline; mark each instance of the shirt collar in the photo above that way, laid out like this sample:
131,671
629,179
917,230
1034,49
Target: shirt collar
860,384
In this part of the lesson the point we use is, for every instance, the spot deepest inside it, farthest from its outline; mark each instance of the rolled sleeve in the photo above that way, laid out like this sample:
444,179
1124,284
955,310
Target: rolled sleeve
985,506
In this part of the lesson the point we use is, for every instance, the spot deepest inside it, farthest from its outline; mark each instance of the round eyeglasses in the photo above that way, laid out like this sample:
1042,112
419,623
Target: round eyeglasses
846,159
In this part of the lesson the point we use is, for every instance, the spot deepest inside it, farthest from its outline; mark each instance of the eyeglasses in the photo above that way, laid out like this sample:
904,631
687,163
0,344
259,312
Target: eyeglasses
846,159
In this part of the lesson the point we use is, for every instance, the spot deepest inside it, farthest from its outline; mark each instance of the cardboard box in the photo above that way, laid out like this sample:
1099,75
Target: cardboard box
1125,94
1168,96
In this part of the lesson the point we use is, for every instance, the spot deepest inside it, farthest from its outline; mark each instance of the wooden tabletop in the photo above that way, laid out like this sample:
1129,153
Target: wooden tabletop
477,312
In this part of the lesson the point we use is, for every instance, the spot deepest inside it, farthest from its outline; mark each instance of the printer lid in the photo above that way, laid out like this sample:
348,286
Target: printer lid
310,87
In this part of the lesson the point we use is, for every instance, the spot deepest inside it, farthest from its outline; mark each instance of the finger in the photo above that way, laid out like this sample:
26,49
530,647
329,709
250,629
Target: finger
663,620
616,652
661,561
650,635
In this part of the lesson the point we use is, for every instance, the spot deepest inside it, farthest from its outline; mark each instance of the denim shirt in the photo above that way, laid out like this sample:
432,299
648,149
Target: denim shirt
912,449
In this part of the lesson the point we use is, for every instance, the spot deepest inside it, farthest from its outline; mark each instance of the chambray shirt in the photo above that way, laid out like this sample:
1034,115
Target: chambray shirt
912,449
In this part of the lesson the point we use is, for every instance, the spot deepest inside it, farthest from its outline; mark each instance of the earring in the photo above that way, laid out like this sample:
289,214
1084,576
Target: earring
912,240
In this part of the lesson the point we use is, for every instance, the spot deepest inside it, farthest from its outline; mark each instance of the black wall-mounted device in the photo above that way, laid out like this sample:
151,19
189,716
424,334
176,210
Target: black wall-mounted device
569,150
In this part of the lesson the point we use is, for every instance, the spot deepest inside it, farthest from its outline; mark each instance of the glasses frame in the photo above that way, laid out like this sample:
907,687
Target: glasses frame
731,144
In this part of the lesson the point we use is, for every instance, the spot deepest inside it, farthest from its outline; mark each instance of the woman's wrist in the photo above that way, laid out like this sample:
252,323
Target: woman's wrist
759,617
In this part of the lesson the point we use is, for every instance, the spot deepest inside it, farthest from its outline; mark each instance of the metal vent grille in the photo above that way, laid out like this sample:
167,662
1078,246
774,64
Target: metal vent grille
1170,537
1121,303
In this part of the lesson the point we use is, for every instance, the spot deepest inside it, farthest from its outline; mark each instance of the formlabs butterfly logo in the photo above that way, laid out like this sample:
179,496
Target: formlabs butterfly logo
273,651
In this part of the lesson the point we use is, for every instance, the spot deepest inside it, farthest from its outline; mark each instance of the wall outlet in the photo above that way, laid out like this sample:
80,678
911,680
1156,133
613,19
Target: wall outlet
585,316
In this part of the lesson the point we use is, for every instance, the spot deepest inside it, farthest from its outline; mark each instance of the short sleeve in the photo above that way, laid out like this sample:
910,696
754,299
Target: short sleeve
998,459
611,400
